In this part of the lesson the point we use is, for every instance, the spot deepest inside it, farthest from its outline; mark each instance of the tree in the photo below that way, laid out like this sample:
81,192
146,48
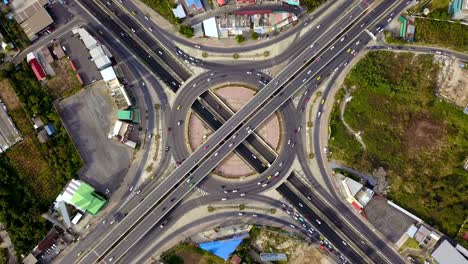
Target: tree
240,38
254,35
186,31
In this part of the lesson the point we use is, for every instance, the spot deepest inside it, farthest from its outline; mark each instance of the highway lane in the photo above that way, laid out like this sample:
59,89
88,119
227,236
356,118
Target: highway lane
175,66
169,39
326,230
202,169
186,97
198,222
187,166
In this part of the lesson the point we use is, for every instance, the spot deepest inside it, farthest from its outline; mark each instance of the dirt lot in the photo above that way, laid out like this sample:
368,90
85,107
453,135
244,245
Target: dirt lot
8,95
65,81
424,131
298,252
453,81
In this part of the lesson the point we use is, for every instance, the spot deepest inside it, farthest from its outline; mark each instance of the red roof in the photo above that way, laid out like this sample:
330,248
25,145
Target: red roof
221,2
37,69
356,206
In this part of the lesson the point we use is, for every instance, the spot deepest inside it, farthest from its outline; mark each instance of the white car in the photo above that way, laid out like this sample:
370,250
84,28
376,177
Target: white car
230,145
241,214
249,72
318,26
242,194
146,18
289,141
197,46
276,173
318,221
301,205
281,164
224,199
132,30
235,190
319,114
264,185
150,29
216,154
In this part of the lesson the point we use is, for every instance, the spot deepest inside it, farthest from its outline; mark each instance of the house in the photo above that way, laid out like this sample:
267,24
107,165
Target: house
42,136
37,122
448,254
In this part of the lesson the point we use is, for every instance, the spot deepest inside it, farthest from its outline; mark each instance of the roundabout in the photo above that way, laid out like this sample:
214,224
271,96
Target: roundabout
235,171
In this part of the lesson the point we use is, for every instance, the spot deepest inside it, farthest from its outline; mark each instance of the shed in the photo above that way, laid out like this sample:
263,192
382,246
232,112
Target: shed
37,122
108,74
50,129
42,136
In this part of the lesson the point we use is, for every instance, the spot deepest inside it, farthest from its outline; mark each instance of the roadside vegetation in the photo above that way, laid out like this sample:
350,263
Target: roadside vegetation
187,31
12,32
311,5
453,35
419,140
190,253
37,172
164,8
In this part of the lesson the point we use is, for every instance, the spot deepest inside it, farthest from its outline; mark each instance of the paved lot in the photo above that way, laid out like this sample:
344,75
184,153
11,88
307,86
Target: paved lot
9,135
387,219
88,117
59,13
78,53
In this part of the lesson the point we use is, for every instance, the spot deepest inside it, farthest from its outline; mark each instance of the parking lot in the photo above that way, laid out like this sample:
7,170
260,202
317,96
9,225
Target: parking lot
88,117
78,53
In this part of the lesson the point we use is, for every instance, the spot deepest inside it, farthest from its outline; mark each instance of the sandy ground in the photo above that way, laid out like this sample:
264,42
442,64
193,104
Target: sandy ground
235,97
8,95
453,81
298,252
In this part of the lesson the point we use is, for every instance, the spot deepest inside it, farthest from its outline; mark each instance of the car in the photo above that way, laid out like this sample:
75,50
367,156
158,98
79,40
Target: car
319,114
104,221
226,191
189,179
230,145
224,199
317,27
311,230
163,223
179,107
249,72
318,221
160,52
138,192
293,144
179,123
295,218
309,198
79,253
301,205
357,42
342,39
318,78
269,177
235,190
216,154
332,48
131,188
253,156
255,215
241,214
344,243
323,101
291,225
348,50
346,63
194,85
304,225
299,128
258,183
281,163
146,17
312,46
249,131
306,23
264,185
208,80
309,72
363,24
88,225
305,79
242,194
132,30
64,49
143,84
112,222
206,147
289,141
197,46
378,29
111,258
389,19
318,59
336,69
150,29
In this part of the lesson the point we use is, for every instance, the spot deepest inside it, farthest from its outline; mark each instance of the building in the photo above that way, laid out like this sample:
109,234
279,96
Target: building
179,11
50,129
108,74
459,9
37,122
82,196
100,57
245,2
58,51
89,41
221,2
236,260
121,133
448,254
273,257
210,28
46,55
36,67
39,20
356,194
193,7
42,136
132,115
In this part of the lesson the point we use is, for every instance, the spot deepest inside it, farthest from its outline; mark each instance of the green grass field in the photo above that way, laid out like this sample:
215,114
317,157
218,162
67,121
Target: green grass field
419,140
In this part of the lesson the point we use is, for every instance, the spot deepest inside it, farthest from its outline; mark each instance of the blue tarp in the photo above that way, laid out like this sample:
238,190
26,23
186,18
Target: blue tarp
49,129
222,248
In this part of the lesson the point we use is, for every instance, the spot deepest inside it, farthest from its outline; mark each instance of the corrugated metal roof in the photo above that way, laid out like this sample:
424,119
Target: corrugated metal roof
37,69
37,22
210,27
447,254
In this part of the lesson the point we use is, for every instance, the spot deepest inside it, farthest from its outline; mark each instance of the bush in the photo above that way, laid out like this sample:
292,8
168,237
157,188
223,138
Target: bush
204,54
266,53
240,38
311,5
254,35
164,8
311,155
443,33
211,209
241,207
186,31
235,56
272,211
310,124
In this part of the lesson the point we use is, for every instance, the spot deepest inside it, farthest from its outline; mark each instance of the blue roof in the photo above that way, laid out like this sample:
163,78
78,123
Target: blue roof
194,4
222,248
49,129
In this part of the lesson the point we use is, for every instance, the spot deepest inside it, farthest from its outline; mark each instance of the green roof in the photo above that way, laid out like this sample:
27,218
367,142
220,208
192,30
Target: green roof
129,115
124,115
86,199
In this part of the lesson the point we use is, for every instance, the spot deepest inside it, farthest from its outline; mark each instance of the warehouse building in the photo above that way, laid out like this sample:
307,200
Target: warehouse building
36,66
448,254
82,196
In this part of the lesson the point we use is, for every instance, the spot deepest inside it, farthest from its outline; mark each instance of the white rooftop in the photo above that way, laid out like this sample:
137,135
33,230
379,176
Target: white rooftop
353,186
210,27
108,74
447,254
179,11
